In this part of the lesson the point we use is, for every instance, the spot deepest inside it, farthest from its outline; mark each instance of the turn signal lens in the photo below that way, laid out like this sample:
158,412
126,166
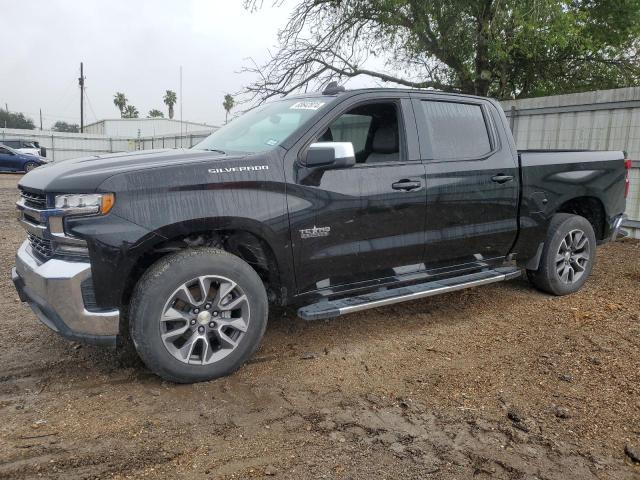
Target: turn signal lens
108,201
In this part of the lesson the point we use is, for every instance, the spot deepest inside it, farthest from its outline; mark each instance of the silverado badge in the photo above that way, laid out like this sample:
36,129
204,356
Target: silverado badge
249,168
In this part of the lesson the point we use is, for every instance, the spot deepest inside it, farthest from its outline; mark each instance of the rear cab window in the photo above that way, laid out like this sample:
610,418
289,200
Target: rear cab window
456,130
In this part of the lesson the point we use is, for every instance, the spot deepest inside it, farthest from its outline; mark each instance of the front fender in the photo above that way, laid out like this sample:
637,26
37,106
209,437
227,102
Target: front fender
177,200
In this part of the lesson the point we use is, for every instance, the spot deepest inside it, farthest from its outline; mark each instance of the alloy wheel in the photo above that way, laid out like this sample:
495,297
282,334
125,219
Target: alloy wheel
572,256
204,320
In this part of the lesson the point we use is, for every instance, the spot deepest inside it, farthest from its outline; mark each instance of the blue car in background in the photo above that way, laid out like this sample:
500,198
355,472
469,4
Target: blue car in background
13,161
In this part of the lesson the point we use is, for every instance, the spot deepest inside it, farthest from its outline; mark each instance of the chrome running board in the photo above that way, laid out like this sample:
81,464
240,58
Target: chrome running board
335,308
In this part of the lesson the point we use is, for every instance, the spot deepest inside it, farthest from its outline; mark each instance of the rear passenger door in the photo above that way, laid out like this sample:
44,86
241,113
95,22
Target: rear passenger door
472,183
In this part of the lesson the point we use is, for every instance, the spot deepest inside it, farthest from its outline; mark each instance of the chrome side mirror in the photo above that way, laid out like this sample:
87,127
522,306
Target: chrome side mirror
330,155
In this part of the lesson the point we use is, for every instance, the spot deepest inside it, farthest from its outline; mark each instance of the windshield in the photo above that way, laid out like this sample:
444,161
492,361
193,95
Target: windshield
7,147
265,127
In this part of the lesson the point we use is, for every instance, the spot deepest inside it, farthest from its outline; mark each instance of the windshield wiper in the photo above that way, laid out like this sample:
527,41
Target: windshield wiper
216,150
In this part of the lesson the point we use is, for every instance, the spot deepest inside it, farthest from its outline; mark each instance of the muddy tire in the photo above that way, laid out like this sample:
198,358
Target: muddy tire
568,255
197,315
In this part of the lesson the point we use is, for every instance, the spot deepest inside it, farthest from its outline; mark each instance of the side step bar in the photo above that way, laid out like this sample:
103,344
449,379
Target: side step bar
335,308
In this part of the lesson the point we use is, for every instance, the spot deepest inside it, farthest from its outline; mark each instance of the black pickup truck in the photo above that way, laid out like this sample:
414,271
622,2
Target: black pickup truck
335,202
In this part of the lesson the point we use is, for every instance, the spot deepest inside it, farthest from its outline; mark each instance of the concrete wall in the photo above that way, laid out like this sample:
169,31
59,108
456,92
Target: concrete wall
598,120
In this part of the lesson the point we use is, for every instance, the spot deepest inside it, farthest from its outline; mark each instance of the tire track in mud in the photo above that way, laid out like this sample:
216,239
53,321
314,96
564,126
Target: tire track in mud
97,460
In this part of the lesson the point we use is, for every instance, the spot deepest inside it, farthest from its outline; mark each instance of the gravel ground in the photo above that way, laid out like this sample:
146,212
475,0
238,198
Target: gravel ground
496,382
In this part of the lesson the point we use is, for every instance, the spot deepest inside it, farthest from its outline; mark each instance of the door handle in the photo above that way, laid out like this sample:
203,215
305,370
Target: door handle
500,178
406,184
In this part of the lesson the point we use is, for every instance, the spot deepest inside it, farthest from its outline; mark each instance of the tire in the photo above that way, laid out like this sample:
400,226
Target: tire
169,299
570,246
30,166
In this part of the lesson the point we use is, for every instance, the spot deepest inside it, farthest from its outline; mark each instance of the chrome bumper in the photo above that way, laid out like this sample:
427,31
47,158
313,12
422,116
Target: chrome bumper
53,291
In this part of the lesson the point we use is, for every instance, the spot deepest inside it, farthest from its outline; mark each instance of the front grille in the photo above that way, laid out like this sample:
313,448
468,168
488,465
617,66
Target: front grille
34,200
41,247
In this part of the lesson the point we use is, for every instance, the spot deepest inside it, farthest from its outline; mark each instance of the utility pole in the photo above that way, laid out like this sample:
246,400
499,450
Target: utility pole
180,99
40,119
6,107
81,82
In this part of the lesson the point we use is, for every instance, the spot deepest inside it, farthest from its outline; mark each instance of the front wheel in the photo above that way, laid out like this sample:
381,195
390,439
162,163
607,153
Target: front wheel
568,255
197,315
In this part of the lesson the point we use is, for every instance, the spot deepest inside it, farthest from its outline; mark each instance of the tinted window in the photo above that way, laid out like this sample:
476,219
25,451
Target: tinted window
456,130
372,128
352,128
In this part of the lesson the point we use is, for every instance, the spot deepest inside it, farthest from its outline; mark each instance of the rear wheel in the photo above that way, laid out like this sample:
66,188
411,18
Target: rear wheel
29,166
198,315
568,255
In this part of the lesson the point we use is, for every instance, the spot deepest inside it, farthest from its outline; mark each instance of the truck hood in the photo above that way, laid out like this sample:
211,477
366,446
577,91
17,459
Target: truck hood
86,174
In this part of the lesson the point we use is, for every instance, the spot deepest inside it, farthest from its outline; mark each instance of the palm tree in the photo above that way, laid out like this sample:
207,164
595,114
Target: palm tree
120,101
170,100
228,104
155,113
130,112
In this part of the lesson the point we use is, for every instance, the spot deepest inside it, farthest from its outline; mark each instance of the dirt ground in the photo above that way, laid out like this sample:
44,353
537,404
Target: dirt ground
495,382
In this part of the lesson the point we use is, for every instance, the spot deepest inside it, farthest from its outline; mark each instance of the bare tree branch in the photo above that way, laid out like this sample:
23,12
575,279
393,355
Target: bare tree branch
507,48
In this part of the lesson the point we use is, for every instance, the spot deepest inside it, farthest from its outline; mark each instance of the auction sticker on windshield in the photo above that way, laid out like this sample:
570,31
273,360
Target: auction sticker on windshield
307,105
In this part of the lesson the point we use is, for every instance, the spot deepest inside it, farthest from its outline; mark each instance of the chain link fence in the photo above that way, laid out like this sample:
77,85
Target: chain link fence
64,146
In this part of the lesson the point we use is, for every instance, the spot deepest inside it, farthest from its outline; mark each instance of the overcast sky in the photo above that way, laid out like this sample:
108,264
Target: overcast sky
132,46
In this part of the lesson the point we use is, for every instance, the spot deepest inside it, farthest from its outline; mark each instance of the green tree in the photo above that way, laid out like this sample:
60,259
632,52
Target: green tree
155,113
120,101
15,120
130,112
501,48
228,104
61,126
170,100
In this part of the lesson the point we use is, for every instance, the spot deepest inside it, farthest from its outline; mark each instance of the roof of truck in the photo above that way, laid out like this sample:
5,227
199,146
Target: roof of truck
349,92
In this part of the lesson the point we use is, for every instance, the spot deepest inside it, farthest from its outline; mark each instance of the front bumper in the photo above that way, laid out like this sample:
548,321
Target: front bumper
53,291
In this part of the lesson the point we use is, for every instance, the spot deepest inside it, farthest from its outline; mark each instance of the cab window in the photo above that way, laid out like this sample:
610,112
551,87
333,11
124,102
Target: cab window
373,129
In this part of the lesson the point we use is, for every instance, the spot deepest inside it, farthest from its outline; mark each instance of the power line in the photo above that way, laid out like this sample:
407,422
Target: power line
86,95
45,115
65,96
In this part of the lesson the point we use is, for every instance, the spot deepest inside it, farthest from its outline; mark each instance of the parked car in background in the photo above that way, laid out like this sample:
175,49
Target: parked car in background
14,161
30,147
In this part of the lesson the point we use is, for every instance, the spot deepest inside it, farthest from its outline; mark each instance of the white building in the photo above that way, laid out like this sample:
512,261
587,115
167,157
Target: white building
145,127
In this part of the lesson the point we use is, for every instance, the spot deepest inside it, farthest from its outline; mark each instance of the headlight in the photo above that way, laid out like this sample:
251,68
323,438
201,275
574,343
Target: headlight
89,203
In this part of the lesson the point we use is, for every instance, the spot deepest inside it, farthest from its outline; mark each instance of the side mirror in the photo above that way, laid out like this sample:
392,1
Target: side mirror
330,155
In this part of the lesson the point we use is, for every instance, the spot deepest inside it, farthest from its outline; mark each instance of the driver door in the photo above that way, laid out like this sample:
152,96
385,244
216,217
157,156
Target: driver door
356,225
